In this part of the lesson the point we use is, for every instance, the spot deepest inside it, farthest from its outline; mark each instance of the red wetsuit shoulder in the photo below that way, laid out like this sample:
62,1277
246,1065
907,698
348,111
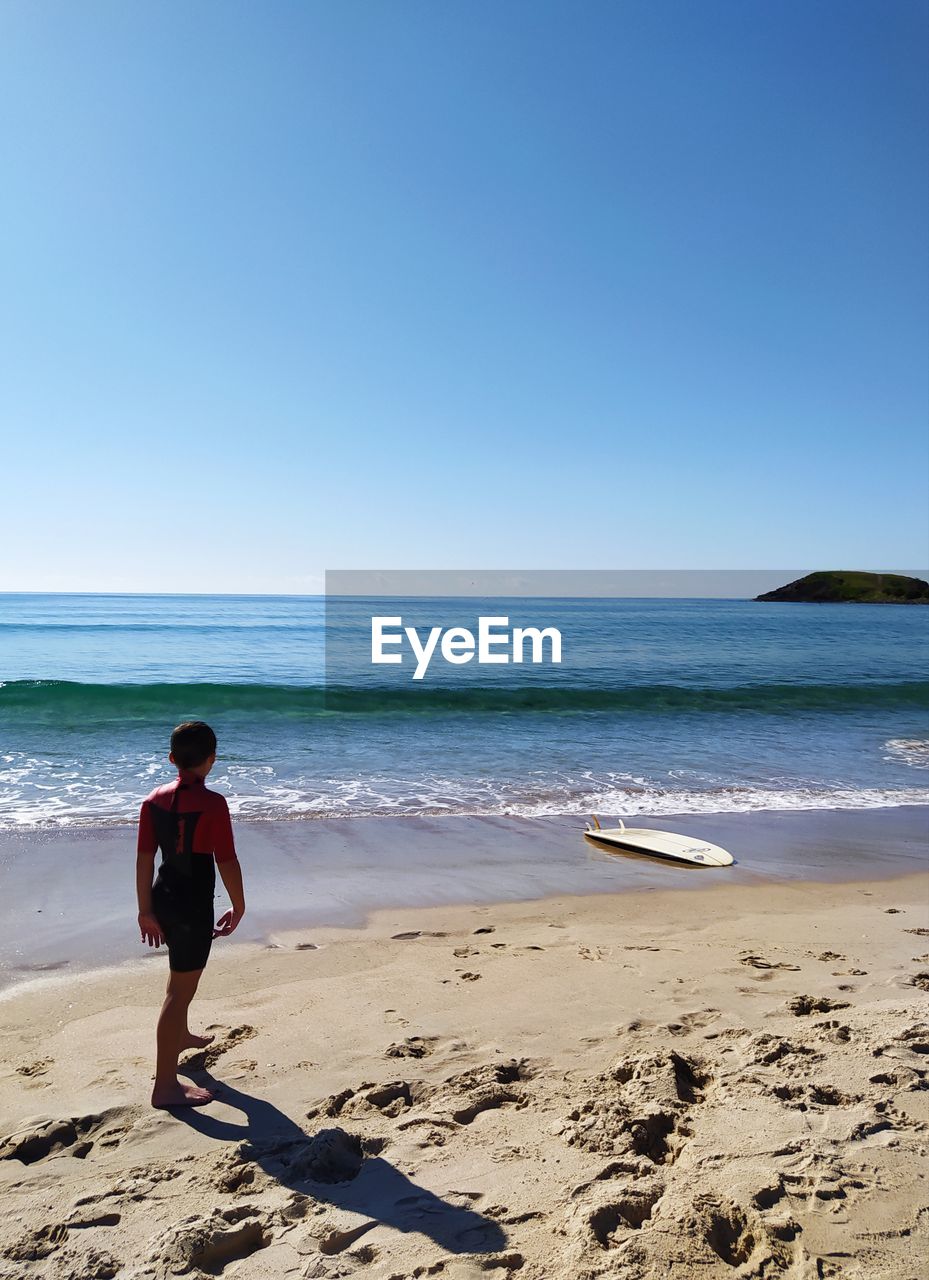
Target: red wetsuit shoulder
213,833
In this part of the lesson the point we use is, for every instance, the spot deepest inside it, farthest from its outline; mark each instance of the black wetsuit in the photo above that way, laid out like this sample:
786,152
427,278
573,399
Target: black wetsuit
191,826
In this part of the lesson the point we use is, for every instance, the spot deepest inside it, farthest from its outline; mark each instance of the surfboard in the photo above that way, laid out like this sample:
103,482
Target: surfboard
660,844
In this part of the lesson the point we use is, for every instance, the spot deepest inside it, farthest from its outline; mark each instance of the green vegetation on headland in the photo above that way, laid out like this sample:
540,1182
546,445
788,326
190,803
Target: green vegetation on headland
852,588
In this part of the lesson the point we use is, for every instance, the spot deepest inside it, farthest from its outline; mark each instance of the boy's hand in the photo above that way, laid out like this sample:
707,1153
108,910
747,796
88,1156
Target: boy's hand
227,923
151,929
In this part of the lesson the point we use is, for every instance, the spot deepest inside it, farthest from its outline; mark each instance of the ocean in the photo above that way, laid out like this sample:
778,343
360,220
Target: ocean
670,706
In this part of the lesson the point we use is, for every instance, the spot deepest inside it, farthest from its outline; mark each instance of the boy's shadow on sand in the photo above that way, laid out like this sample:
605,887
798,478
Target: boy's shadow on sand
332,1165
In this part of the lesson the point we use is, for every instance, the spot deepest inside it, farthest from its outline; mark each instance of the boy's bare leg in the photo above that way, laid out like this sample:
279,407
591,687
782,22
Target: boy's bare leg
172,1027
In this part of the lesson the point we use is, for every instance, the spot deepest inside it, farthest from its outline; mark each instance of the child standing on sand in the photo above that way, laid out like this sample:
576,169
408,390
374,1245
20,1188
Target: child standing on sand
191,827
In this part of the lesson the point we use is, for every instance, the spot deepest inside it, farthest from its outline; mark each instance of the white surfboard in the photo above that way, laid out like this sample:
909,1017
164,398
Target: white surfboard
660,844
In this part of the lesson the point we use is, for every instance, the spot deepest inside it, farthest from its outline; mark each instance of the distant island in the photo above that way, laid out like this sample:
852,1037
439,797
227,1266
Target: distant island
839,586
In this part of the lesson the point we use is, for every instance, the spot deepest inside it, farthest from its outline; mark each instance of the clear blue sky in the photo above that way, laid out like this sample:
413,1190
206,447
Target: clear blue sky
622,284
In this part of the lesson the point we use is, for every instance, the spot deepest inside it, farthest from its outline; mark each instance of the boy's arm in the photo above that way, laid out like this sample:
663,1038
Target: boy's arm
144,875
230,871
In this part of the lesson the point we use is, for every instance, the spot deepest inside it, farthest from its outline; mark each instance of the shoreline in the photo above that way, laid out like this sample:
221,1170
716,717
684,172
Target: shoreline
581,1086
336,871
295,937
245,819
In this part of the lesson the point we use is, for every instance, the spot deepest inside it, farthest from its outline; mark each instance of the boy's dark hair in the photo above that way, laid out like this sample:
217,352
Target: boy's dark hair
191,743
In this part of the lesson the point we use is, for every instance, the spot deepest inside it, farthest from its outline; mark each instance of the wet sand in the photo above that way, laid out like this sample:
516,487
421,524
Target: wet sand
69,896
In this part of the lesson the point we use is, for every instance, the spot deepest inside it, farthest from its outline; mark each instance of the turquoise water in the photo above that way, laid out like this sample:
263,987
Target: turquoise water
660,707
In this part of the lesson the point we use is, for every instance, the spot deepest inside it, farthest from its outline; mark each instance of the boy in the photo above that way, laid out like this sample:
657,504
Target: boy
190,826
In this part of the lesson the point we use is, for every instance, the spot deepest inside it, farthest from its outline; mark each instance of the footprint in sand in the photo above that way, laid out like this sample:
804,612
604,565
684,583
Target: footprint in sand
211,1243
635,1168
112,1218
915,1038
457,1101
688,1023
415,933
74,1135
638,1108
835,1031
736,1234
392,1099
827,1182
226,1038
467,1094
32,1069
803,1096
801,1006
766,1050
37,1244
634,1026
412,1047
903,1078
759,962
593,953
610,1221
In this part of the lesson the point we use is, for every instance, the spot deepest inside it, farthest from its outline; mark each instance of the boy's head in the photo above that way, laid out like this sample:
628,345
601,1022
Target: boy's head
193,745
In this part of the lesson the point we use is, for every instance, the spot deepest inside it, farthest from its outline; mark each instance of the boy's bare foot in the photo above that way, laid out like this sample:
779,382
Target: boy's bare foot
180,1095
190,1041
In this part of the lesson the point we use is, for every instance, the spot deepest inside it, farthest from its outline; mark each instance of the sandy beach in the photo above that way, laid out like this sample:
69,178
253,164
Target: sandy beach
648,1084
386,388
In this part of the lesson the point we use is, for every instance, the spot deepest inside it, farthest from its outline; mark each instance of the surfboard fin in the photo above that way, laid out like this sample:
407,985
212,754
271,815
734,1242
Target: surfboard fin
596,826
